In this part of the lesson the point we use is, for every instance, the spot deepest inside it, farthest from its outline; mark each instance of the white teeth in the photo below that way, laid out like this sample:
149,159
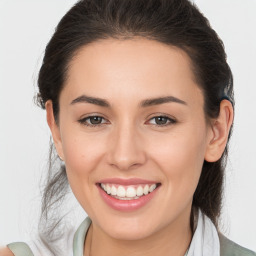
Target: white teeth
108,189
121,191
127,192
139,191
146,188
152,187
113,191
130,192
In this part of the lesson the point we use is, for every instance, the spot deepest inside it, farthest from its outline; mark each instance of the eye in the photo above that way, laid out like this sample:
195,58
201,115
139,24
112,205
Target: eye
92,121
162,121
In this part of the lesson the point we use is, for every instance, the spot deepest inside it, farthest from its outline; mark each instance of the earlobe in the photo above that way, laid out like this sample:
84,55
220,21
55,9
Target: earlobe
220,129
55,131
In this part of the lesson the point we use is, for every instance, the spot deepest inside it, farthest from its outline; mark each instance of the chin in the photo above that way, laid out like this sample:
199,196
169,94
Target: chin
129,229
129,234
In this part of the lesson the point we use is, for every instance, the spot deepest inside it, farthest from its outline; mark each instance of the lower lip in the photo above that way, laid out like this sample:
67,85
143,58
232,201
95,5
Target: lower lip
126,205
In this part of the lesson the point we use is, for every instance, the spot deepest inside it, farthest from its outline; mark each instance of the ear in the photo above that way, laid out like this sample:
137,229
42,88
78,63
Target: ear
220,128
55,130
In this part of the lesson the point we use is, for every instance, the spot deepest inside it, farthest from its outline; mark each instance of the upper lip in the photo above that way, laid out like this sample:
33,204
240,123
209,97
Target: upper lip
130,181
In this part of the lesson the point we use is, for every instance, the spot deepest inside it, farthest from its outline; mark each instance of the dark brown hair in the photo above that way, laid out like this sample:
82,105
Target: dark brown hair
173,22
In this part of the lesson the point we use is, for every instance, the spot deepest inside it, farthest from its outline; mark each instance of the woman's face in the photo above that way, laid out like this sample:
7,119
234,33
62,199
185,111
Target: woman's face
146,126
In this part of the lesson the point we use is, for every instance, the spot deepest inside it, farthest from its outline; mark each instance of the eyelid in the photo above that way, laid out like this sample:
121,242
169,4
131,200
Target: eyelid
171,119
84,118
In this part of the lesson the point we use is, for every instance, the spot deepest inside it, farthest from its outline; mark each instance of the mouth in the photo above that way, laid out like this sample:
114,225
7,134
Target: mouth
128,192
127,195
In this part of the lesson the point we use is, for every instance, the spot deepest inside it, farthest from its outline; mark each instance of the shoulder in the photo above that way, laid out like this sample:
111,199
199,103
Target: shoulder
16,249
229,248
5,251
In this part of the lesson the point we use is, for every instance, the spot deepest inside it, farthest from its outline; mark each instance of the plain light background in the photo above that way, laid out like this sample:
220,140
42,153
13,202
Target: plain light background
25,28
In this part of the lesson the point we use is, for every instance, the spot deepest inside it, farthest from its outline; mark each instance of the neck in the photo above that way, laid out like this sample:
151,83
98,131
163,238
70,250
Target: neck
173,239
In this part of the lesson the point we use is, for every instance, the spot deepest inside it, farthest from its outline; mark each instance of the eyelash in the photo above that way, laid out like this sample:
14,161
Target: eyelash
169,120
83,121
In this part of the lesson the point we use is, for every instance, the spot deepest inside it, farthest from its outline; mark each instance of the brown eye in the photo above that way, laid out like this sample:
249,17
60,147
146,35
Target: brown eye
95,119
162,121
92,121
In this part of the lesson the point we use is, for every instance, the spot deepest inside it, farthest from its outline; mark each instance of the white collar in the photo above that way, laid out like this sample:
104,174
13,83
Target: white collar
205,241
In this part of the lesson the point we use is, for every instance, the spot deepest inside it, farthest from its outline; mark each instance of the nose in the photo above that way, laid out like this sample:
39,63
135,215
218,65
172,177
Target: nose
126,148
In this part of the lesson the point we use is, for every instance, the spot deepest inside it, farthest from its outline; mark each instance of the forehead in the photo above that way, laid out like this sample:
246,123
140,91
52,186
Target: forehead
136,66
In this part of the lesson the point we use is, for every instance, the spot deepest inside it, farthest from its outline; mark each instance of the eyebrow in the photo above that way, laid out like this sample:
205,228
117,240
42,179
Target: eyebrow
92,100
144,103
161,100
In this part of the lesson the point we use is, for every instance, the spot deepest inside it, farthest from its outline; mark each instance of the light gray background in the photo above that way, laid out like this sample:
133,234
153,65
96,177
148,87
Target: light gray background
25,28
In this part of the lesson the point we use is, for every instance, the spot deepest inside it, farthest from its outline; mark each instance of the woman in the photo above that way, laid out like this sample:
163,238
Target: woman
139,100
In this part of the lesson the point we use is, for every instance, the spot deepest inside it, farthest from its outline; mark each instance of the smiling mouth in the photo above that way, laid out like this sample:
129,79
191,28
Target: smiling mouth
128,192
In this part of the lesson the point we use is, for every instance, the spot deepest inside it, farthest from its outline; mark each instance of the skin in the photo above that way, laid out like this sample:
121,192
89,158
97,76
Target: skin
129,143
5,251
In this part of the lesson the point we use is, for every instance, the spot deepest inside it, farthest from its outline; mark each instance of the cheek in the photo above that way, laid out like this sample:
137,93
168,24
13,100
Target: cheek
82,154
181,157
